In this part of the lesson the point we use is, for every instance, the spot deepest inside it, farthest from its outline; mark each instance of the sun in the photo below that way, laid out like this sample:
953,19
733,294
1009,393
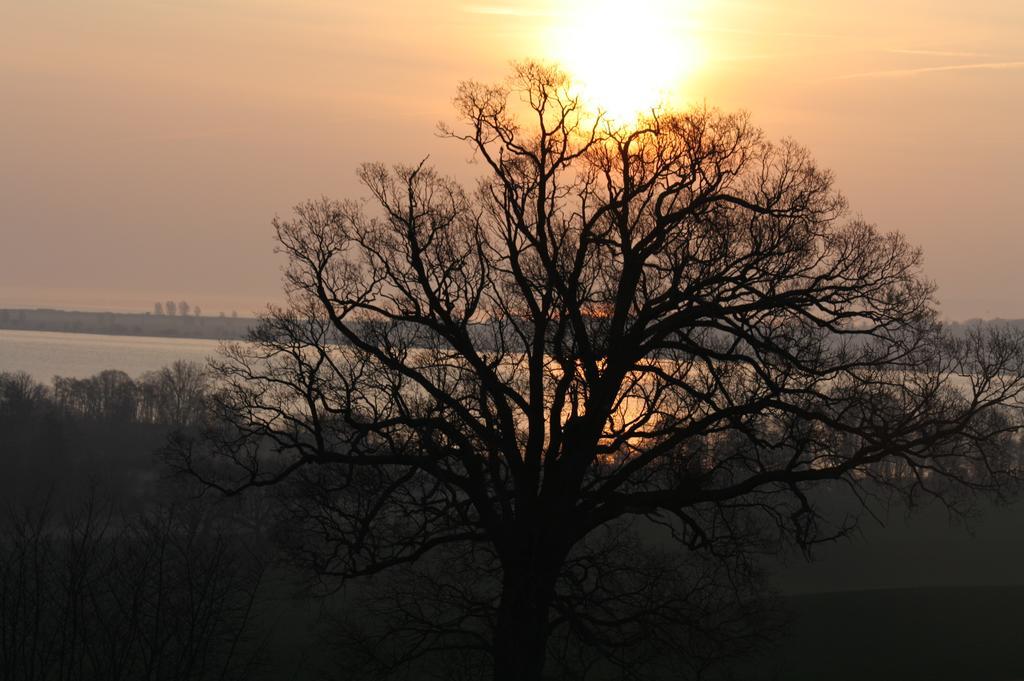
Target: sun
626,57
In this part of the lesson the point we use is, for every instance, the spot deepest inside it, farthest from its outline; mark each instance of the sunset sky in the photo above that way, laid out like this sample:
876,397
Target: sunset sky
145,145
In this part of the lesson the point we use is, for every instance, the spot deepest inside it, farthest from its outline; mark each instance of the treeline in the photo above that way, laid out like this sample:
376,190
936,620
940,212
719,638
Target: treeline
108,428
114,567
183,308
173,396
129,324
110,567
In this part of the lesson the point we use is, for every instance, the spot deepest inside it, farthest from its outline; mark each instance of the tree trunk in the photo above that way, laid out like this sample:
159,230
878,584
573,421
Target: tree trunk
520,641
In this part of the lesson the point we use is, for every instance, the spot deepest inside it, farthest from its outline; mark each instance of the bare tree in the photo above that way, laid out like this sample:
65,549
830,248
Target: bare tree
19,394
110,395
182,388
676,322
183,308
171,307
99,594
158,308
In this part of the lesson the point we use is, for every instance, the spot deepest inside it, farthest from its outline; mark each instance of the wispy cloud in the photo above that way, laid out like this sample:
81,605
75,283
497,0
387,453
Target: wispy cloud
856,50
708,28
910,73
938,53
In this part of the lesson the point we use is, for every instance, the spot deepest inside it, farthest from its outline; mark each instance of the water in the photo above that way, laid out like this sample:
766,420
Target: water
45,354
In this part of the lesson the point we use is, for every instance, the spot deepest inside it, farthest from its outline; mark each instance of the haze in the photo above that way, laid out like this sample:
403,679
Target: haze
146,145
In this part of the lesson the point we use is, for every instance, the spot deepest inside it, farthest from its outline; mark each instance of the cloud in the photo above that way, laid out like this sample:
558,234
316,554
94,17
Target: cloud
937,53
707,28
910,73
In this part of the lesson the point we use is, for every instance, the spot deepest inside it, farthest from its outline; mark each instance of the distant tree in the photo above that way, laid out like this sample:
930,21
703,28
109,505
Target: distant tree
182,388
171,307
674,324
183,308
234,314
158,308
197,311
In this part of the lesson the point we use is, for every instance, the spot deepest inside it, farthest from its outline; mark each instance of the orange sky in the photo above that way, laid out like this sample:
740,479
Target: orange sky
146,144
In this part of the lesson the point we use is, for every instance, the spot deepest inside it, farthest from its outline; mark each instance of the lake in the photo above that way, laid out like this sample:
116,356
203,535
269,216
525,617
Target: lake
45,354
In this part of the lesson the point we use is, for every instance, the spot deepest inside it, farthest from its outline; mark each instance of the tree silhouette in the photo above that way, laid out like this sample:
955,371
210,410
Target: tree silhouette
171,307
158,308
675,322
